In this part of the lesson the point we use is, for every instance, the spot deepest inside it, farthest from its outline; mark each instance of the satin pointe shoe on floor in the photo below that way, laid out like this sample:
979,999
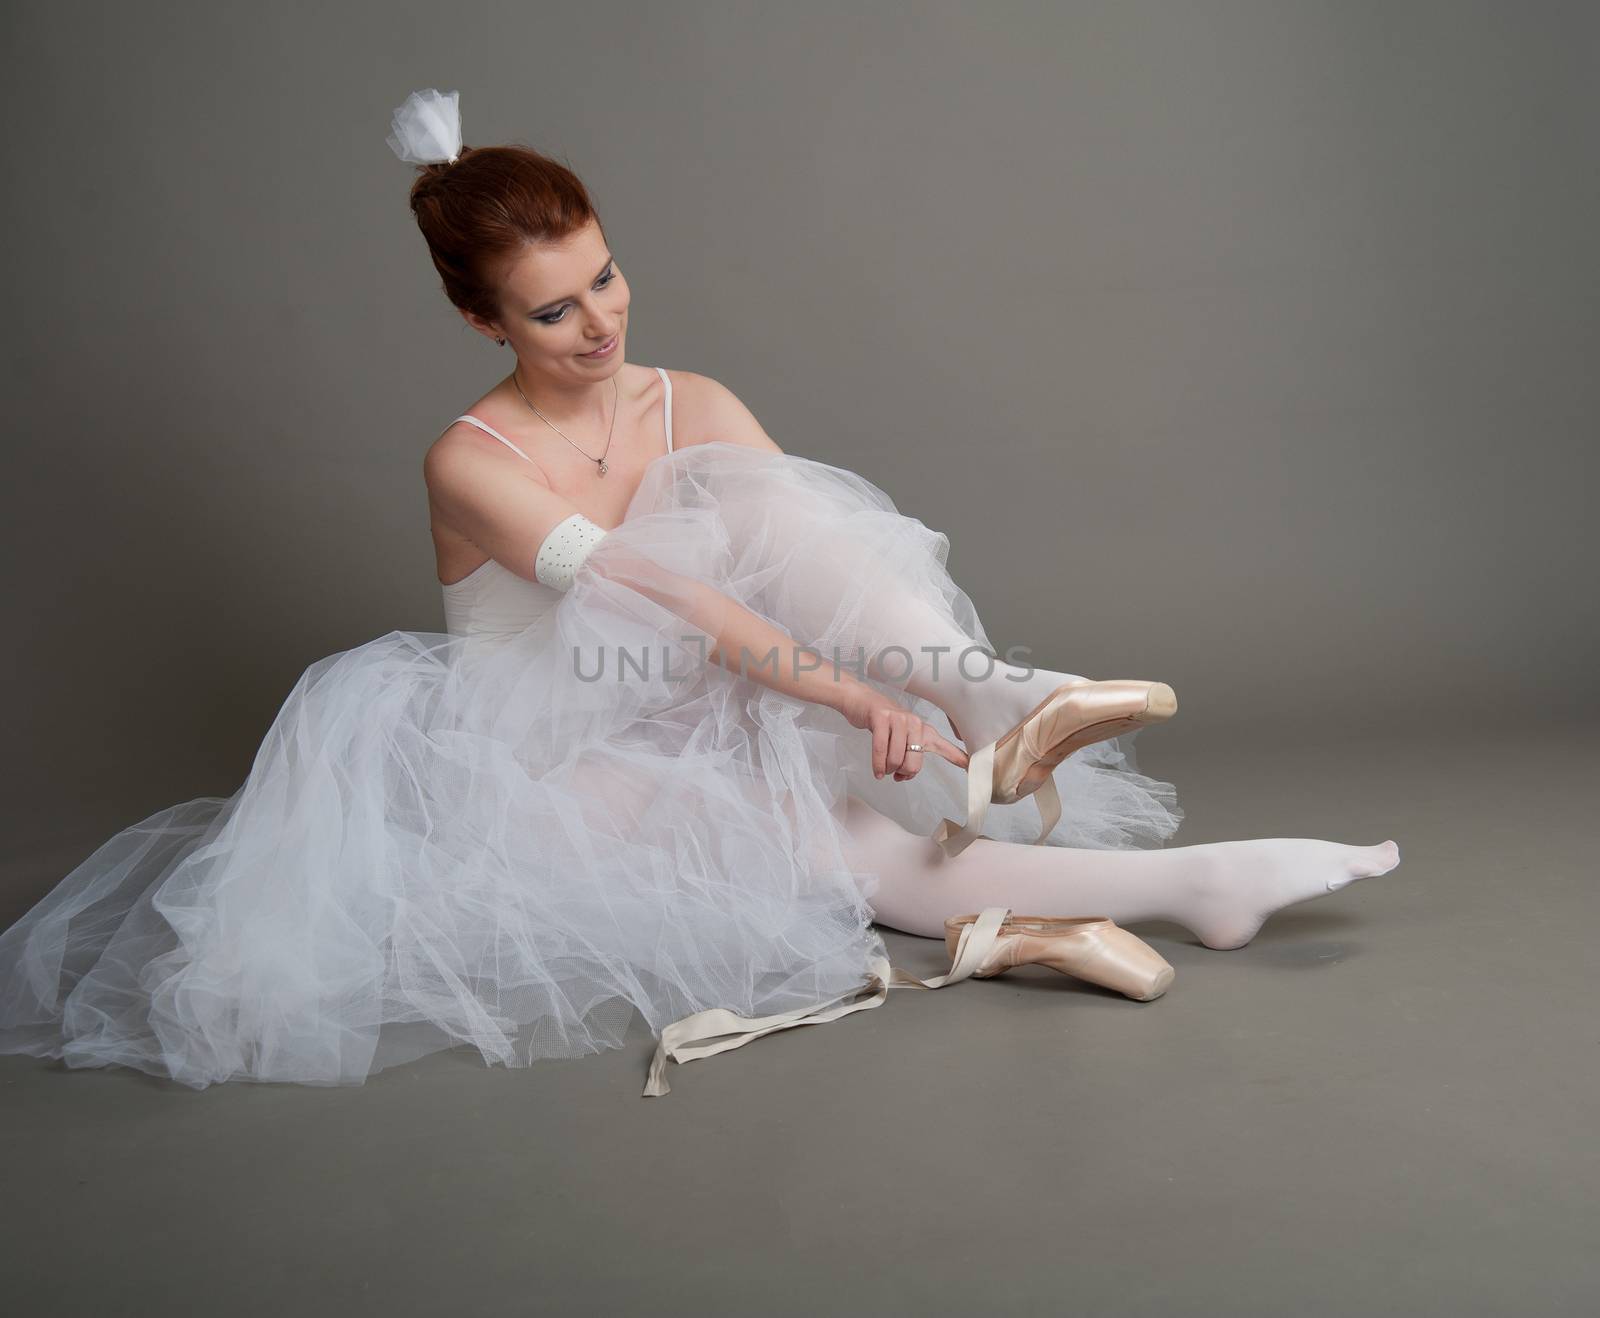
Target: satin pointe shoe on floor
1091,948
1021,763
981,946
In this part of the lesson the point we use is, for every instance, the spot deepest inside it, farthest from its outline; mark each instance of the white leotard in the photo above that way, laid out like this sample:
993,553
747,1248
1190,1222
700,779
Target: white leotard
492,599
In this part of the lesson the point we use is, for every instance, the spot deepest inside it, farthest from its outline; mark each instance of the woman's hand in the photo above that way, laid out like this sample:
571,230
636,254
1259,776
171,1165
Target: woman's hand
894,728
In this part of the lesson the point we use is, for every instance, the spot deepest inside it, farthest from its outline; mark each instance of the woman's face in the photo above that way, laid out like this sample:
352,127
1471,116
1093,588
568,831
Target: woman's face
559,302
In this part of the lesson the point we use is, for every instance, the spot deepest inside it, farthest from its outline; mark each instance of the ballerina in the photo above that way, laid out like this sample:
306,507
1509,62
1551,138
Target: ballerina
633,775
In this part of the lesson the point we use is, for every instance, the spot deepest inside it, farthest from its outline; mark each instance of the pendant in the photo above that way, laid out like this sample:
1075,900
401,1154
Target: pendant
603,467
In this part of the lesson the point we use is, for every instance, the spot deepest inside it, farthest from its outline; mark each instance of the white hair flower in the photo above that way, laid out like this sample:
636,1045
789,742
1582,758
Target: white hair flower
427,127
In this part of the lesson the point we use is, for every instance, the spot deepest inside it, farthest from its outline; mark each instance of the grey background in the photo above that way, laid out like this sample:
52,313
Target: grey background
1245,346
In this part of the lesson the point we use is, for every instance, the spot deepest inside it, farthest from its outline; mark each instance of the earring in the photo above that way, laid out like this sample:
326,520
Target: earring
501,342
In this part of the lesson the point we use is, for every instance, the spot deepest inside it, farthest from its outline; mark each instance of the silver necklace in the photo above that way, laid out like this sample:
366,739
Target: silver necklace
602,458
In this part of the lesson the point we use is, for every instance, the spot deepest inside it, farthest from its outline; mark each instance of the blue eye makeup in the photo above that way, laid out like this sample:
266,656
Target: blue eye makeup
556,317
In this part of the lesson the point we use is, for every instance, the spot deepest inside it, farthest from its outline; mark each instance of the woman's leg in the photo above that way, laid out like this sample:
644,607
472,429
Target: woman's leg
1221,891
983,699
829,575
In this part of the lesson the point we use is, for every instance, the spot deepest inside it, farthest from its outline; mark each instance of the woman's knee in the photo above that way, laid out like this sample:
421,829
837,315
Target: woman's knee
867,827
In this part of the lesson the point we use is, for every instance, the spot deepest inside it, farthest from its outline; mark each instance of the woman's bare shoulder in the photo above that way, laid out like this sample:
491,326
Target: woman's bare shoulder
705,410
463,449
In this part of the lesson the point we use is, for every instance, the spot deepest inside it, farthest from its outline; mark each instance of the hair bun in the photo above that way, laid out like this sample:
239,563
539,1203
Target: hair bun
427,127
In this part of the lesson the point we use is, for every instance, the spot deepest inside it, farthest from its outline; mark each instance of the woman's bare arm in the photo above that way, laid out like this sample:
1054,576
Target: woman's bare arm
508,513
716,413
712,412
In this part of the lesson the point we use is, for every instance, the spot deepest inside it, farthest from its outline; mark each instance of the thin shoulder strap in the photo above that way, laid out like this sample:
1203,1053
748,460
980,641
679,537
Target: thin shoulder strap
485,426
667,380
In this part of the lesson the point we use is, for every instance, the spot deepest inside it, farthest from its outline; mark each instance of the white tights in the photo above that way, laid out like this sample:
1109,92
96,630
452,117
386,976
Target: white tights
1220,891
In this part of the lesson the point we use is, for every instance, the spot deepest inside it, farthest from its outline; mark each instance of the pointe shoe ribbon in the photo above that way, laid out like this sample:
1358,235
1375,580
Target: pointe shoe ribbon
954,838
1022,762
706,1033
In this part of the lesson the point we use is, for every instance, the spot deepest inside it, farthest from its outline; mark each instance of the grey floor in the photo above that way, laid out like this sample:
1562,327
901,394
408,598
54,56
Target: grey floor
1385,1104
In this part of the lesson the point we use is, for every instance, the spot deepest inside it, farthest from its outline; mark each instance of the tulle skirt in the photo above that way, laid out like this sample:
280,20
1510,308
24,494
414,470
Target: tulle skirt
520,841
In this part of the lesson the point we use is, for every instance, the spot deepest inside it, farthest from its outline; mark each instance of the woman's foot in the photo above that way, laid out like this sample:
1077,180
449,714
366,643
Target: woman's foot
982,709
1021,762
1230,898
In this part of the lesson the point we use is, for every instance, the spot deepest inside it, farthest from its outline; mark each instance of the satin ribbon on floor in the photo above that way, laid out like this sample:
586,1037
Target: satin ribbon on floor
717,1029
954,838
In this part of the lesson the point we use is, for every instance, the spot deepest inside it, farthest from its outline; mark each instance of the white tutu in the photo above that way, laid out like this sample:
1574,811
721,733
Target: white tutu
469,839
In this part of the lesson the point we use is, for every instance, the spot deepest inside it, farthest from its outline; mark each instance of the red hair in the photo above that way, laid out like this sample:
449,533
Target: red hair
492,202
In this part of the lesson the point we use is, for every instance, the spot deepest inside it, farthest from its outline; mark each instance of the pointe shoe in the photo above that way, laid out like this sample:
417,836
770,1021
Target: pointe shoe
1090,947
1021,763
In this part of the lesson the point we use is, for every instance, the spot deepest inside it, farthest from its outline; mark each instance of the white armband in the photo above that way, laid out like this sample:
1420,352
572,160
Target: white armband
570,542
